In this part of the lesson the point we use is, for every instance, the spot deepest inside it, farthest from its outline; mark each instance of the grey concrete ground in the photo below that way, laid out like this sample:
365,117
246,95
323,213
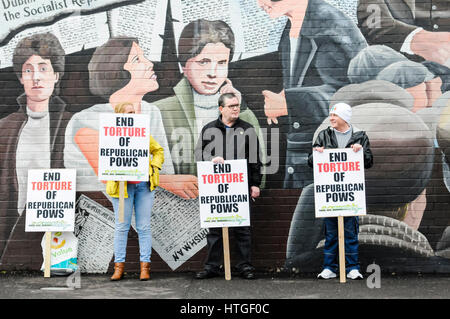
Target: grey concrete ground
183,286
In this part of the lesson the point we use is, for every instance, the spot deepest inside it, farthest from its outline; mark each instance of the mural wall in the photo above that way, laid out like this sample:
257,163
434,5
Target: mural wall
62,63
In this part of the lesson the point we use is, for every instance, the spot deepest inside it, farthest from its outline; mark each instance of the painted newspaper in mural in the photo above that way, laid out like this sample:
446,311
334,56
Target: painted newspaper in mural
62,63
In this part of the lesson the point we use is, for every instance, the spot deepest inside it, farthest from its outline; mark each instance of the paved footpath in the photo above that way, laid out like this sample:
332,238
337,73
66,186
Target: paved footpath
183,286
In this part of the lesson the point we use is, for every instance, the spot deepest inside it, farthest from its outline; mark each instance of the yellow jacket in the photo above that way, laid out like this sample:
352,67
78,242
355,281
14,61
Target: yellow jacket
156,161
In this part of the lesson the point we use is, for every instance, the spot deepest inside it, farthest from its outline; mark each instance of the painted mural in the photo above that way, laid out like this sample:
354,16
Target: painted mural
63,63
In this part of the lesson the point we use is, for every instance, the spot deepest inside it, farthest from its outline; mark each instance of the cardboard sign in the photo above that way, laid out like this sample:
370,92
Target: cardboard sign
124,147
223,194
50,200
339,186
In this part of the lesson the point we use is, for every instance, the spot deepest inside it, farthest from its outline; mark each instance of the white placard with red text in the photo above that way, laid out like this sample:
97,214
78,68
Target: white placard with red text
339,186
223,194
50,200
124,146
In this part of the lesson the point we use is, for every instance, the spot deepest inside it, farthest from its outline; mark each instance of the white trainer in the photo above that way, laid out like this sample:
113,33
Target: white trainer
354,274
326,274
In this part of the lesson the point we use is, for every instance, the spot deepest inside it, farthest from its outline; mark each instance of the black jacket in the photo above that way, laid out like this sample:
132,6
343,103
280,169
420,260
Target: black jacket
237,142
327,139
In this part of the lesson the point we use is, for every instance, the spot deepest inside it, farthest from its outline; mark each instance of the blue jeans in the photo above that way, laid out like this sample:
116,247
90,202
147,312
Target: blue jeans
351,226
141,198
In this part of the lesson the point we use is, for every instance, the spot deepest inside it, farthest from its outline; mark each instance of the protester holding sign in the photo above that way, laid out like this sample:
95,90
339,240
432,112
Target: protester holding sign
230,138
342,134
138,195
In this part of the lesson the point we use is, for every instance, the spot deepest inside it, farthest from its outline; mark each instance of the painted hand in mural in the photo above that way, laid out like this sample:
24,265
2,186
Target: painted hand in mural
425,94
274,105
185,186
432,46
229,88
433,90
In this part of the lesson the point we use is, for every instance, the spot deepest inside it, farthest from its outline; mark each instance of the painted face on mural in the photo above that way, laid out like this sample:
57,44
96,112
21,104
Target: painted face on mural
276,9
208,71
143,77
38,78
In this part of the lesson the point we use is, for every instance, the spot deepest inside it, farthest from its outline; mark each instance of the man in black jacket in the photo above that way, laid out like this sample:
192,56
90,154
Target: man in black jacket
229,138
342,135
306,230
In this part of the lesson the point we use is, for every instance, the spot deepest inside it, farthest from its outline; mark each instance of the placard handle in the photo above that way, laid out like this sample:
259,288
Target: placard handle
341,236
48,256
226,253
121,201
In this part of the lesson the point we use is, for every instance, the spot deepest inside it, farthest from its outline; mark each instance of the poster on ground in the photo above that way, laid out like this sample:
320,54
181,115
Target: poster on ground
223,194
339,186
50,200
124,143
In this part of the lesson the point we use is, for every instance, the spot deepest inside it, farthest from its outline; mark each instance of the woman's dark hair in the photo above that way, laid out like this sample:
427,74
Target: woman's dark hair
106,73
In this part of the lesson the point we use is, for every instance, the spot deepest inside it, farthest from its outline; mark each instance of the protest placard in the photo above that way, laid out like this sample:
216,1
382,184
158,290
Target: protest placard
339,186
124,146
50,200
124,143
50,205
223,194
224,199
339,190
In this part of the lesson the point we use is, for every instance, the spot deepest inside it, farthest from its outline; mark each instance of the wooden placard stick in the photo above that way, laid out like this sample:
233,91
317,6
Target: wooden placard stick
226,253
341,236
121,201
48,256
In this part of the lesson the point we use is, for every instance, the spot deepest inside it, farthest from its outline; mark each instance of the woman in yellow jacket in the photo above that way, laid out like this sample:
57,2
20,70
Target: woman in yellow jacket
138,195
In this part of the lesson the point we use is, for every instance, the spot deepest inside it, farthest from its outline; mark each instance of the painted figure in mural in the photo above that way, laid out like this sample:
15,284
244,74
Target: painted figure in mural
228,121
417,28
391,187
118,72
35,133
205,50
409,187
316,48
443,137
139,198
384,82
427,83
342,134
422,80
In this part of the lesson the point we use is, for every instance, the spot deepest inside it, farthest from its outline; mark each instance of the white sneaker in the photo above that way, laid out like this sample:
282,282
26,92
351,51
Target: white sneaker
326,274
354,274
